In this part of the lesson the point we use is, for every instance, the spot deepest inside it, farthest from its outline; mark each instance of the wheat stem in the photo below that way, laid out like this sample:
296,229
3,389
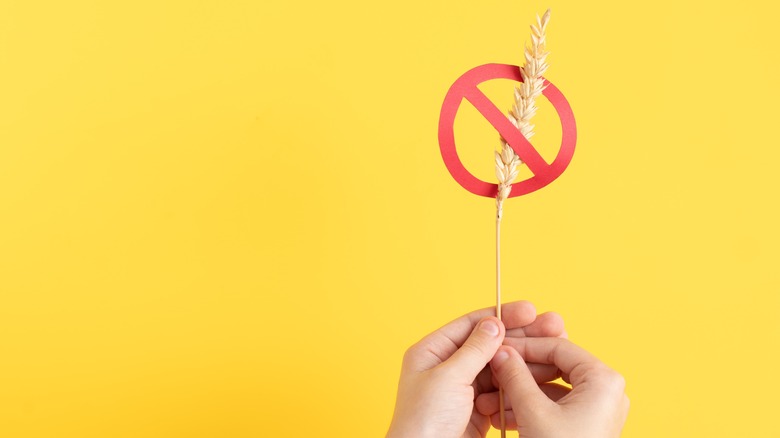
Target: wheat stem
507,161
501,414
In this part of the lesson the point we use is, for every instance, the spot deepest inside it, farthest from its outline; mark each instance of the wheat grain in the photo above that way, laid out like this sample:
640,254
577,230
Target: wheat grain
506,171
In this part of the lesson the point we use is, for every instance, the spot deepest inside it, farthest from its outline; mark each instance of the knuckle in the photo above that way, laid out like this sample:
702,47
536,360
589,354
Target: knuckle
511,376
411,354
444,373
618,381
552,324
474,346
622,381
613,380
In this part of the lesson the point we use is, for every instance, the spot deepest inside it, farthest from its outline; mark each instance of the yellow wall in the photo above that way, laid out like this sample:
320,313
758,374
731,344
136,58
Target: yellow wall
231,218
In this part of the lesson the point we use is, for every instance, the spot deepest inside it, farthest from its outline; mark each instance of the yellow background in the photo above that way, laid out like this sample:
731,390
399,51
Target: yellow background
224,218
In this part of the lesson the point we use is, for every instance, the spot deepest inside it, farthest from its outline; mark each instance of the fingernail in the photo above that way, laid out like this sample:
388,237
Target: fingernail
500,357
490,327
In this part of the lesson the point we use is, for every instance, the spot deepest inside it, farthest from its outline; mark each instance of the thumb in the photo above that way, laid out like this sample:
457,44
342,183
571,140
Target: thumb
513,375
477,351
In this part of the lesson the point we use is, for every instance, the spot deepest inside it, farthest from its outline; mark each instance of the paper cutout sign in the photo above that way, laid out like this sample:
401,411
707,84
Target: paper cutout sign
465,87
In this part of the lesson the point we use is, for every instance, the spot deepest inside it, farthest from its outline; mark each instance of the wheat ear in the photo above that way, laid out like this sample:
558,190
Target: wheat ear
533,84
507,161
524,107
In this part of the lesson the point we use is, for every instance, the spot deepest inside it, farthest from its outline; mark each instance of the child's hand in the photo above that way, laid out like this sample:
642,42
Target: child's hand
444,373
595,406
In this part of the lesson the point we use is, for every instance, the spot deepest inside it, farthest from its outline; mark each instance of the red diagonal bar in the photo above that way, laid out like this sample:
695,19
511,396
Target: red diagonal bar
512,135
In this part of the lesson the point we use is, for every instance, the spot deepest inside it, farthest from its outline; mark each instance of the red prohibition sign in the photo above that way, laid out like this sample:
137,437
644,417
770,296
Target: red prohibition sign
466,87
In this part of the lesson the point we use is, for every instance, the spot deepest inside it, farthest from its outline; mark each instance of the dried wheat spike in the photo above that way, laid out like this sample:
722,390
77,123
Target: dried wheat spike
535,66
523,109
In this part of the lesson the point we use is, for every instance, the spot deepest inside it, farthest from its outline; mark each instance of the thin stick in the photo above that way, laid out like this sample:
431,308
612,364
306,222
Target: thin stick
506,171
501,414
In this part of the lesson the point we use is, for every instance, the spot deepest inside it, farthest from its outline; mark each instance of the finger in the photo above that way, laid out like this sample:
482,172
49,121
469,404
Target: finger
484,382
446,340
542,373
467,362
457,331
479,424
554,391
514,376
546,325
518,314
487,403
624,407
509,420
575,363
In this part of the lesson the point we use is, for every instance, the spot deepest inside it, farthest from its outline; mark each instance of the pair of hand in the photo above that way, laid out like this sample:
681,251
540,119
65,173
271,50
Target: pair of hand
447,388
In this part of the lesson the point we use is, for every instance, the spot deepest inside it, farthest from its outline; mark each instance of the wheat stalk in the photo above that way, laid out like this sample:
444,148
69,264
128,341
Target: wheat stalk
507,161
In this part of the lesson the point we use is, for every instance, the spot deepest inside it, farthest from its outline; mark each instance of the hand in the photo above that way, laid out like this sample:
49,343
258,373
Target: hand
443,373
595,406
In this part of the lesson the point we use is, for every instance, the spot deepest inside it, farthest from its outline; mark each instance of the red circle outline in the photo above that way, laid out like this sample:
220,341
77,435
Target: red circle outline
465,87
